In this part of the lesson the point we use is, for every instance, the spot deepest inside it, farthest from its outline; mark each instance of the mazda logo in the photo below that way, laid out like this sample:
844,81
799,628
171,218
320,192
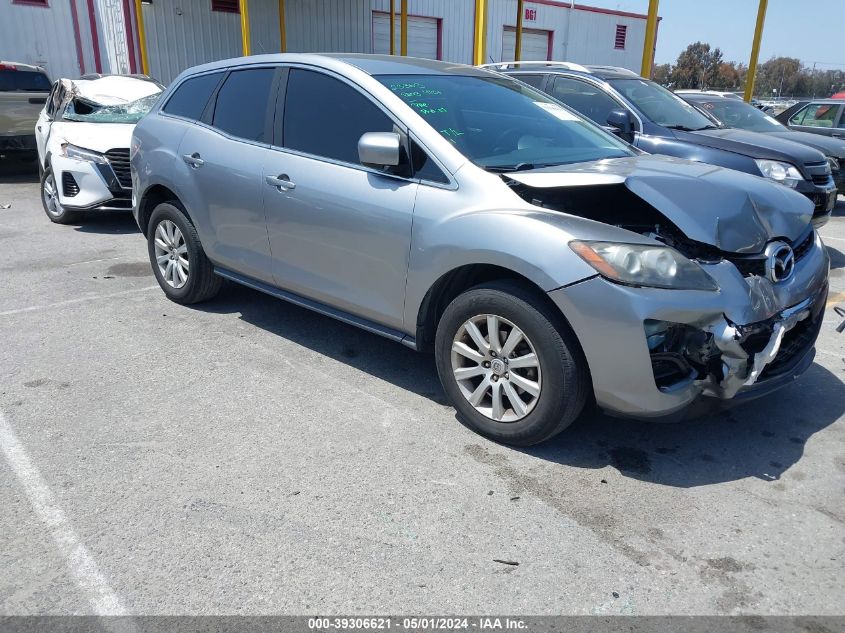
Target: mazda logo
780,261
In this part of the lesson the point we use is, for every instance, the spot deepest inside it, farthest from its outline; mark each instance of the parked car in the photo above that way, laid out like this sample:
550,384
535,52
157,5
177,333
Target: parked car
738,114
655,120
818,116
717,93
543,260
23,92
82,135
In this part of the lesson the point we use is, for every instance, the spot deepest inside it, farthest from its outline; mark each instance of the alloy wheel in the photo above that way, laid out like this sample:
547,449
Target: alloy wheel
496,368
51,197
171,254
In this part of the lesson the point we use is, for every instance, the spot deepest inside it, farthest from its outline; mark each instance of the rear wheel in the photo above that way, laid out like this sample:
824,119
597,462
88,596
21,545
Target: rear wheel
510,364
179,262
50,201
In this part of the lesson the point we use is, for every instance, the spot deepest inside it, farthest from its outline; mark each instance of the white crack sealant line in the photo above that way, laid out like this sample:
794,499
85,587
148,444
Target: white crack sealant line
86,574
60,304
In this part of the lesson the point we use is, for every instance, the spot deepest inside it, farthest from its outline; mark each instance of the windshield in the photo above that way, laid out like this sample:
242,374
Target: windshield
83,110
500,124
741,115
661,106
23,80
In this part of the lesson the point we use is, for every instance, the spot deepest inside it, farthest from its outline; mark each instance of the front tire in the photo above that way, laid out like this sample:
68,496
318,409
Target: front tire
510,364
50,201
179,262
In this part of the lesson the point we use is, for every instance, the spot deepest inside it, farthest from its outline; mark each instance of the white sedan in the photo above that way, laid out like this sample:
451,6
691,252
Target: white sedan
83,134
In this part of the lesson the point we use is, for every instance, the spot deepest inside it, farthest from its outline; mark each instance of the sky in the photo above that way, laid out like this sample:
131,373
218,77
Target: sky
811,30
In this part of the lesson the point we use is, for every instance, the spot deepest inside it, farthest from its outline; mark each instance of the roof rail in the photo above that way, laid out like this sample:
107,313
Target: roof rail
615,69
548,64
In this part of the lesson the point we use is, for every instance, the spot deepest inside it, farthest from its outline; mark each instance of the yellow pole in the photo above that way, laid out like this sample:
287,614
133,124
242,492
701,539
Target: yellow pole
392,27
403,45
755,51
517,49
650,37
245,26
142,37
283,36
480,31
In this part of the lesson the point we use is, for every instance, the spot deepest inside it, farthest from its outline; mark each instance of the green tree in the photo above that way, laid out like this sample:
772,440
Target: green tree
662,73
697,67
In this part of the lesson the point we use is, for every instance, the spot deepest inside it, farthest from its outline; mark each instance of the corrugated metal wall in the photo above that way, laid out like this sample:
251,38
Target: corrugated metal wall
502,13
458,17
328,26
42,36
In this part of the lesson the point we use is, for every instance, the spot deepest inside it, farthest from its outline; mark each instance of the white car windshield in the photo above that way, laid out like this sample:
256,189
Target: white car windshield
501,124
80,109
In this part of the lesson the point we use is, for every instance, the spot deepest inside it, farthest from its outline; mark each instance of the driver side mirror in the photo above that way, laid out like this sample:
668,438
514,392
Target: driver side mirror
380,149
621,123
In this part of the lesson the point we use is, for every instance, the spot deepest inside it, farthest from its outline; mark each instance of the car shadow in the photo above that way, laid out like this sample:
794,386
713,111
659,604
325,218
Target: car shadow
837,259
107,223
762,439
16,172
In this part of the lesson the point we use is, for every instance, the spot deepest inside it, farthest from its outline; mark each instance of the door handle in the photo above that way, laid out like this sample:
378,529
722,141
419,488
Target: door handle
193,160
282,182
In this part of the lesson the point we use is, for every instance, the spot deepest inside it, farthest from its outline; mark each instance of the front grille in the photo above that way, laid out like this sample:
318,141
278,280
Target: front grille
748,266
69,186
119,161
794,345
821,179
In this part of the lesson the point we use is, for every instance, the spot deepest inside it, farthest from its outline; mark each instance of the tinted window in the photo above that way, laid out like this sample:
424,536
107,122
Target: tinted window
661,106
25,80
326,117
241,108
736,113
190,97
531,80
424,167
590,101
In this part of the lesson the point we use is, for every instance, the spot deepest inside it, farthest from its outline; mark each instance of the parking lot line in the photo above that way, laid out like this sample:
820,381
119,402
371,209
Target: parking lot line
79,561
60,304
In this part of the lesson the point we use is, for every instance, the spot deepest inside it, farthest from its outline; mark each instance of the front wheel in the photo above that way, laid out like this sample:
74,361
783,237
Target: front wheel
50,201
179,262
510,364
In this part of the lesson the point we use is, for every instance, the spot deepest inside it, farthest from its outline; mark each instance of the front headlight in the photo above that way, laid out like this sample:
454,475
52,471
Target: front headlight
784,173
644,265
79,153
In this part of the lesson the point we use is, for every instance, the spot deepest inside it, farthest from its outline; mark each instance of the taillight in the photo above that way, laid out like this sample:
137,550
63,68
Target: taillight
8,67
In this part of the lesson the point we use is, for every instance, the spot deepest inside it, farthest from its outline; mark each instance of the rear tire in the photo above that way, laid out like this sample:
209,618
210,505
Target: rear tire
179,262
50,201
543,391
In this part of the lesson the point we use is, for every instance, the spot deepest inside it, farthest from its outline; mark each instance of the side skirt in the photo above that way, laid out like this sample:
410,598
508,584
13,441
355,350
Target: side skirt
340,315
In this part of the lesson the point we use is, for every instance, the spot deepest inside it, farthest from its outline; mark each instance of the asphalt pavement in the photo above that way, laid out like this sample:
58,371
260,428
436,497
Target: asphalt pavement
246,456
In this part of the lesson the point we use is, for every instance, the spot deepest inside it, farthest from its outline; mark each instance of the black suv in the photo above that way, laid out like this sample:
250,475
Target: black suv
659,122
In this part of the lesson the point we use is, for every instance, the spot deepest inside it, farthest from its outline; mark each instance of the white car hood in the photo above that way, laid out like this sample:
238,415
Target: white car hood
99,137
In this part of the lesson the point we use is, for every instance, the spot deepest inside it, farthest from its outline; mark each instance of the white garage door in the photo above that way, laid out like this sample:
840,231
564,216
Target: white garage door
535,44
422,35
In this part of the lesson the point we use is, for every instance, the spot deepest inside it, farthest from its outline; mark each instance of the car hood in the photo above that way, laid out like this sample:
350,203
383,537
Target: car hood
731,210
825,144
753,144
99,137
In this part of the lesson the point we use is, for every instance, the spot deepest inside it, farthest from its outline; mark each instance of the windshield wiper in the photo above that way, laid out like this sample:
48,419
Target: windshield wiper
682,128
503,169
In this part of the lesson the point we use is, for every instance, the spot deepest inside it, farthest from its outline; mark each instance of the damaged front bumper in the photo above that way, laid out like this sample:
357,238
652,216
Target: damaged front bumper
662,354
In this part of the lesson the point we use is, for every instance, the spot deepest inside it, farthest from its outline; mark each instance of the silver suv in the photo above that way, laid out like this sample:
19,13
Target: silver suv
546,263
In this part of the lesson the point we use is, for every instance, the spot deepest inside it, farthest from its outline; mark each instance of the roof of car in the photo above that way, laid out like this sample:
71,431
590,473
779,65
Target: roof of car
22,66
831,101
553,67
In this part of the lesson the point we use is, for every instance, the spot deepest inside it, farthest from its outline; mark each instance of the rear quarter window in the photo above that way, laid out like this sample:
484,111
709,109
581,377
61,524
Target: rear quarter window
192,95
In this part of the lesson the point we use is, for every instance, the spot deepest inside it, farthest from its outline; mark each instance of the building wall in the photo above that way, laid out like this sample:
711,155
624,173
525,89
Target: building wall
45,36
328,26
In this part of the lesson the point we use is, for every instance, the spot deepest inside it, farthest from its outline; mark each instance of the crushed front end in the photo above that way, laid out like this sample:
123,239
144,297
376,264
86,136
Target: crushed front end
655,353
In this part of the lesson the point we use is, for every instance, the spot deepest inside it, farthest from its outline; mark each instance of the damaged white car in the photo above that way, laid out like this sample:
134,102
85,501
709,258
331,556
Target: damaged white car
83,134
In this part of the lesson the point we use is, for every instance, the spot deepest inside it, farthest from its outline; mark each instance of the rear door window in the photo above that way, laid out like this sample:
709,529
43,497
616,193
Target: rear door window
531,80
192,95
241,107
326,117
23,81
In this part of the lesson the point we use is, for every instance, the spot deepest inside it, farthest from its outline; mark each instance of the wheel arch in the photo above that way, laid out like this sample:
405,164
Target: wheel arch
153,196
